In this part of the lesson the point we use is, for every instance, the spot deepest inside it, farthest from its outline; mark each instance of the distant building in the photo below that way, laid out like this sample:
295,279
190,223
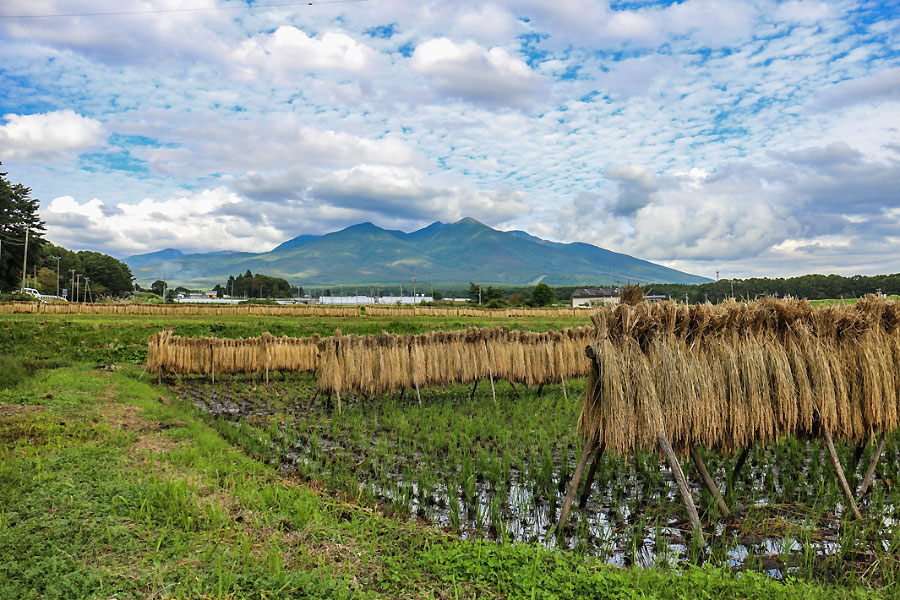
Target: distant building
212,294
595,296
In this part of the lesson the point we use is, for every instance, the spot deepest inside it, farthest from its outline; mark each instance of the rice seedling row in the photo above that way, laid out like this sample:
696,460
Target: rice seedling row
499,470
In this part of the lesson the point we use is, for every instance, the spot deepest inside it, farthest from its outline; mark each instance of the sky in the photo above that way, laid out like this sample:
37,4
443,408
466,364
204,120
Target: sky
739,138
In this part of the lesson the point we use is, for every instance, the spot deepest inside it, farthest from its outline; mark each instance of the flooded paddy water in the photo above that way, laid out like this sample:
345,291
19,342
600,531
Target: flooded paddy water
500,470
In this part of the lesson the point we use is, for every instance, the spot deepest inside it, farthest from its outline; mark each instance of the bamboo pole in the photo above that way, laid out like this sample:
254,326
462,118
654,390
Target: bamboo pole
419,397
592,471
829,443
870,472
573,486
686,497
338,394
565,395
710,484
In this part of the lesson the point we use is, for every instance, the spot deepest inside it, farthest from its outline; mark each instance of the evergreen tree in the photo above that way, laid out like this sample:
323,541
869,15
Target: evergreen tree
18,214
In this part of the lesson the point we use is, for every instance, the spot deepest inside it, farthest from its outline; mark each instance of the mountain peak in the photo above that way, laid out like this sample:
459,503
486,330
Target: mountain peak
470,221
365,226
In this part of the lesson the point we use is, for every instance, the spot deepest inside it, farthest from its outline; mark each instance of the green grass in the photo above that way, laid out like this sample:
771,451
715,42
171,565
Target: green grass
110,488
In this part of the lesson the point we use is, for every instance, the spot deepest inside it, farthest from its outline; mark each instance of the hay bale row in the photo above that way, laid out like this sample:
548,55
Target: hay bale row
732,375
374,364
19,307
217,356
382,363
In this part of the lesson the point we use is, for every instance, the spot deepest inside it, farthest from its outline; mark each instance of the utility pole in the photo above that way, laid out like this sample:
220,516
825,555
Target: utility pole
87,287
72,287
25,260
414,289
77,285
57,273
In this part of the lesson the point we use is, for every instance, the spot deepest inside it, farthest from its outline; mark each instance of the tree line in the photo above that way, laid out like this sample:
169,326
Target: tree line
49,268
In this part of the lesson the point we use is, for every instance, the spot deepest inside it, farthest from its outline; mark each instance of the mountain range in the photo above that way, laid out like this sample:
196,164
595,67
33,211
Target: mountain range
442,253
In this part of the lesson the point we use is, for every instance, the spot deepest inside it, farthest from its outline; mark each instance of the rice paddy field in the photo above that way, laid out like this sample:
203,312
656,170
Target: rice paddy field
115,485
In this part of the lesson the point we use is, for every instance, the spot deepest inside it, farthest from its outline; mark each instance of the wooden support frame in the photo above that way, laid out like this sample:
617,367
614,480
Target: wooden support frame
738,465
573,485
870,472
680,479
493,392
474,387
709,482
839,470
592,471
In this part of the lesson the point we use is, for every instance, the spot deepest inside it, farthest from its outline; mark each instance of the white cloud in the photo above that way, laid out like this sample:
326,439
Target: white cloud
802,11
193,221
405,192
879,87
51,136
474,72
289,52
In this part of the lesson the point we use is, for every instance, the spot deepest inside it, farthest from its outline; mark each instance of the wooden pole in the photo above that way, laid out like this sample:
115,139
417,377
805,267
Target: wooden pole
710,484
513,386
686,497
840,473
854,465
738,465
565,395
159,376
870,472
540,388
419,397
573,486
402,391
212,361
472,394
491,377
338,393
589,482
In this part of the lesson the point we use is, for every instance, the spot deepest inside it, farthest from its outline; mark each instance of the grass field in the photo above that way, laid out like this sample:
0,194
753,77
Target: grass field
114,487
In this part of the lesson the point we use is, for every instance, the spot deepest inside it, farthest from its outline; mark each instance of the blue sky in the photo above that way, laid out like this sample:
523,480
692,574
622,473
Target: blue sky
749,138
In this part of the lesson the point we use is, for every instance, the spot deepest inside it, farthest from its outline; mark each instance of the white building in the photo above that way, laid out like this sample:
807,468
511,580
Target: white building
595,296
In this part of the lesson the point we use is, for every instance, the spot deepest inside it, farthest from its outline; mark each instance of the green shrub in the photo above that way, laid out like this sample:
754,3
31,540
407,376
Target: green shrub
11,371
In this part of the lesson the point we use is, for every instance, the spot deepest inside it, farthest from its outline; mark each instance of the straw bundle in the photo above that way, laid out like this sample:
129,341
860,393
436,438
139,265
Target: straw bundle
735,374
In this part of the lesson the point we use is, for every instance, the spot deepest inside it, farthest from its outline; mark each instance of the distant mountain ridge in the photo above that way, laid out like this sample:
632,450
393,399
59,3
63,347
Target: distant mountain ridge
441,253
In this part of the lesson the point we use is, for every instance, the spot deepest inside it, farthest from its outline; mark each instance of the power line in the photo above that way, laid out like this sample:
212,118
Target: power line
177,10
